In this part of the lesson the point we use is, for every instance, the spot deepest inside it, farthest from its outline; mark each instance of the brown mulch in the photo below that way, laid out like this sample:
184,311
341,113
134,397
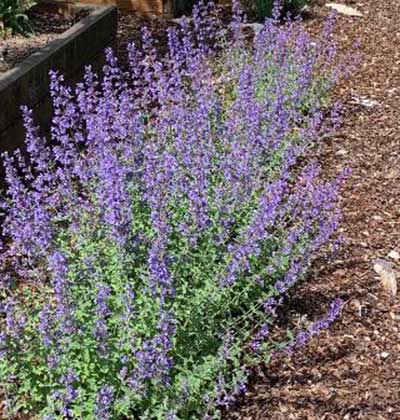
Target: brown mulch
46,28
351,371
129,31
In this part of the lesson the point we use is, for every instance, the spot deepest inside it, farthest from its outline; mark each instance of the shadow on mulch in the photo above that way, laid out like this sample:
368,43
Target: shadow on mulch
352,371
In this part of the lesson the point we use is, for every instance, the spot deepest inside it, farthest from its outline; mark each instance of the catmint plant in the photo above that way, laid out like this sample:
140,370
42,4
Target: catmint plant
151,235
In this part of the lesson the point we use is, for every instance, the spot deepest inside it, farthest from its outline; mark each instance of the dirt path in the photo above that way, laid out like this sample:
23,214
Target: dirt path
353,370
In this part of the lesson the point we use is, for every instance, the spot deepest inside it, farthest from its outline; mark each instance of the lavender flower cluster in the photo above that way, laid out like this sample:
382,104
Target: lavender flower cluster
164,216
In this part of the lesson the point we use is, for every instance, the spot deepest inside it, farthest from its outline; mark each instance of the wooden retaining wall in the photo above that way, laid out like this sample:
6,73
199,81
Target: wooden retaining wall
141,7
28,83
157,7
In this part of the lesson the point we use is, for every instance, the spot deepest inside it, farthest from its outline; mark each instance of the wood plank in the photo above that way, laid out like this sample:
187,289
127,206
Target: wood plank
139,6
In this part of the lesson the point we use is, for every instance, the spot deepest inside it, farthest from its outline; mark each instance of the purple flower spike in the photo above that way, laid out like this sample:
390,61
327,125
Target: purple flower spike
104,402
149,238
317,327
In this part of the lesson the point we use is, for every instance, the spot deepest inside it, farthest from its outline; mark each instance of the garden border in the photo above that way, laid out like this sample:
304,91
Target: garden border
28,82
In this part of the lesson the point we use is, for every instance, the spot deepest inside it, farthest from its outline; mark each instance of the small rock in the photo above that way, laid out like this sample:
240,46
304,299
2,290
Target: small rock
384,355
283,408
256,27
394,316
387,275
341,152
305,9
344,10
368,103
181,20
394,255
392,174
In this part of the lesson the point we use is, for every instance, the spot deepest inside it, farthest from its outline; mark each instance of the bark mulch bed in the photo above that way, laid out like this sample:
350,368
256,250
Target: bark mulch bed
46,27
352,371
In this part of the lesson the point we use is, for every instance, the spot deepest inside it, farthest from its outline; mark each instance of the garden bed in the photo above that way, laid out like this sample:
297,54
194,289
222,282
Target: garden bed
28,82
162,223
315,383
353,370
46,27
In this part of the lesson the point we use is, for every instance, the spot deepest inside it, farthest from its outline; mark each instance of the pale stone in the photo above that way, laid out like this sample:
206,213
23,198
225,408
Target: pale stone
341,152
256,27
344,10
384,355
181,20
365,102
394,255
392,174
387,275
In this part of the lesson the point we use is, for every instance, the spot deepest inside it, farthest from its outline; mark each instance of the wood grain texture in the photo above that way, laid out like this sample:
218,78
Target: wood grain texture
158,7
139,6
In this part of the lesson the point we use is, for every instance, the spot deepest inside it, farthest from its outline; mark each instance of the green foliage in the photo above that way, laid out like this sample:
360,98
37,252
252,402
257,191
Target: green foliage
163,236
13,17
262,9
